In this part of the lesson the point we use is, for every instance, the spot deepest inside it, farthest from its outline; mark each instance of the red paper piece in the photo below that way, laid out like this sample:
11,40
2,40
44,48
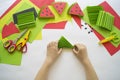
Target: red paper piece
111,49
75,10
9,30
77,20
59,25
13,5
59,6
46,13
40,3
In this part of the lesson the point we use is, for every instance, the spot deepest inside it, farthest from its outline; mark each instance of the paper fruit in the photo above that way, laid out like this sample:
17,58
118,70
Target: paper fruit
75,10
46,13
59,7
64,43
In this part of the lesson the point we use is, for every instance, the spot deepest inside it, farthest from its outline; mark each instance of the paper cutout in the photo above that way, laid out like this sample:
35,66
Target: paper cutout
109,9
75,10
13,5
59,18
26,20
105,20
46,13
59,25
7,58
24,11
59,6
64,43
103,32
9,30
41,3
77,20
93,12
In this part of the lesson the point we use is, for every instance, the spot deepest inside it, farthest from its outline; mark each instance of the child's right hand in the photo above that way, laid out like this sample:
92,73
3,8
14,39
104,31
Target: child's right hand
80,51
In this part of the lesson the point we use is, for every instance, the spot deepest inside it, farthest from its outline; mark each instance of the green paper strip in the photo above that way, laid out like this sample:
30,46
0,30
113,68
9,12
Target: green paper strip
64,43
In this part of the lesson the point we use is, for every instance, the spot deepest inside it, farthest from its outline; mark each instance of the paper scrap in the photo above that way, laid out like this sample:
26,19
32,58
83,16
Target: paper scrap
59,25
9,30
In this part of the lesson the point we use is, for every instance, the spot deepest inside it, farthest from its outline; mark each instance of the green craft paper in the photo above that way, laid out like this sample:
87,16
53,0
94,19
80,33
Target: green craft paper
93,13
7,58
64,43
105,20
105,33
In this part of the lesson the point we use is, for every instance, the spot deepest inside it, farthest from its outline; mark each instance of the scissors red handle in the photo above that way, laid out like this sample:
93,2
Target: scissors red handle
10,46
21,48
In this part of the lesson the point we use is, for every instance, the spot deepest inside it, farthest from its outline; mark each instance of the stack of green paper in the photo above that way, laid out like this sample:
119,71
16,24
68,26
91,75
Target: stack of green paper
93,12
64,43
105,20
26,20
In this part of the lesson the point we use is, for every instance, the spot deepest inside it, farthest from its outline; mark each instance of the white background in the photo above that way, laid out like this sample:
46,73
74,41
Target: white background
67,66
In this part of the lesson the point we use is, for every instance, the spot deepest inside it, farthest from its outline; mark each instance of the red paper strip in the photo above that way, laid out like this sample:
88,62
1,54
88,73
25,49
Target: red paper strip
13,5
9,30
59,25
111,49
41,3
77,20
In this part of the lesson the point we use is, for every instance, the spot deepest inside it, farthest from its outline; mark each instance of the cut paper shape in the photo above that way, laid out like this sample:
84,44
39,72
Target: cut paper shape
45,12
41,3
77,20
13,5
93,12
109,9
59,7
75,10
26,20
9,30
24,11
7,58
105,20
59,18
64,43
103,32
59,25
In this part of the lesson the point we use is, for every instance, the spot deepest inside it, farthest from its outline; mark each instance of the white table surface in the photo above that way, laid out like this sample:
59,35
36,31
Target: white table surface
67,66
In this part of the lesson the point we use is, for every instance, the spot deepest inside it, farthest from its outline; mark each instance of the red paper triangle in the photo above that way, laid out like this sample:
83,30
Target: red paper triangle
59,6
77,20
9,30
46,13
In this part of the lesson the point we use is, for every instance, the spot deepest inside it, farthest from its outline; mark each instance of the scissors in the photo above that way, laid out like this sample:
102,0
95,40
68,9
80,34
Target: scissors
21,46
10,45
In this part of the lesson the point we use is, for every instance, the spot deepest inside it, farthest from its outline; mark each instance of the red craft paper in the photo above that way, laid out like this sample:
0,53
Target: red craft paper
41,3
9,30
59,25
110,48
77,20
14,4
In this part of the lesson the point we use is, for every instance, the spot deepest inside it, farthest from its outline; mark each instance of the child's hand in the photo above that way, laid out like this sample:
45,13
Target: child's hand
80,51
53,52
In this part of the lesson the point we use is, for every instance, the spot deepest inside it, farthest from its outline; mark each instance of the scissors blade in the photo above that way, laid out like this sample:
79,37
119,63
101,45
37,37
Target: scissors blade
21,34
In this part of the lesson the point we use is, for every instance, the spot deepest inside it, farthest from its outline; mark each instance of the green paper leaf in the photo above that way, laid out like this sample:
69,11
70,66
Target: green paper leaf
64,43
